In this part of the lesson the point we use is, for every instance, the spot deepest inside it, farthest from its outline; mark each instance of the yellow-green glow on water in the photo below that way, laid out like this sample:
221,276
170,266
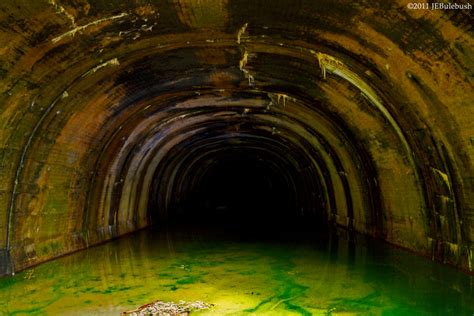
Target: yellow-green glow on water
304,276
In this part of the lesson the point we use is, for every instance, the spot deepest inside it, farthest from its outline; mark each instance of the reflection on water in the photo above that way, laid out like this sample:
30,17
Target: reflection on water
306,275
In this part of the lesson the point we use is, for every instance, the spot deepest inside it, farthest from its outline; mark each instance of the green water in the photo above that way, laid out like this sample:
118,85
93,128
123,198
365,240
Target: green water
304,275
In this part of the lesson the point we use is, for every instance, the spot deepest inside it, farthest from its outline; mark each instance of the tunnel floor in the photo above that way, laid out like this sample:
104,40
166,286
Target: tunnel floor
241,274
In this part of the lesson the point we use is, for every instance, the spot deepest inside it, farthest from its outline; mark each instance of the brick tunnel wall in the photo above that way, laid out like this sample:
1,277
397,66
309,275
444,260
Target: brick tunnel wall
370,102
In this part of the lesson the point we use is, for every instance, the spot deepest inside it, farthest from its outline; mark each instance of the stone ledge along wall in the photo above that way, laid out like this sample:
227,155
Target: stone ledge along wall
368,102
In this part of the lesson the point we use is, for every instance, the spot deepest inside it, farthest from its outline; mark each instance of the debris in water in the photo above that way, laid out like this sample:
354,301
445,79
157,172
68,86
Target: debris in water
161,308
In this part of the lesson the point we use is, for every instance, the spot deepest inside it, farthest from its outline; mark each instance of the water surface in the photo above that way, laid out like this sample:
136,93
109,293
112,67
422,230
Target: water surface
306,274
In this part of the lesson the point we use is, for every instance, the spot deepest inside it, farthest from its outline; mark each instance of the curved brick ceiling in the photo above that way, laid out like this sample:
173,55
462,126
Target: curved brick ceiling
115,113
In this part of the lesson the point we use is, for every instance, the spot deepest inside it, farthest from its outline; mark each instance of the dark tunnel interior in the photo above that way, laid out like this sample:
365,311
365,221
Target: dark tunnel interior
133,133
242,187
239,187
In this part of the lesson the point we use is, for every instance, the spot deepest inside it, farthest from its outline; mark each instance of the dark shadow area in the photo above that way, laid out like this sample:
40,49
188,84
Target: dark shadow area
242,192
246,192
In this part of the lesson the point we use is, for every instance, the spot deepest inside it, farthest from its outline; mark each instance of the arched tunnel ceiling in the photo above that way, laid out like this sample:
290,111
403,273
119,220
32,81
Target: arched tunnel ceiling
112,112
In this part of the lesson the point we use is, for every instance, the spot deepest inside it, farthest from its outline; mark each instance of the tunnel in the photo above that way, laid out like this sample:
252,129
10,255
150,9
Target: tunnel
261,116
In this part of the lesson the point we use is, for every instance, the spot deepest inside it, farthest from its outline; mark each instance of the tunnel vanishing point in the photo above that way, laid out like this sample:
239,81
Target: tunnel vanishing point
115,115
